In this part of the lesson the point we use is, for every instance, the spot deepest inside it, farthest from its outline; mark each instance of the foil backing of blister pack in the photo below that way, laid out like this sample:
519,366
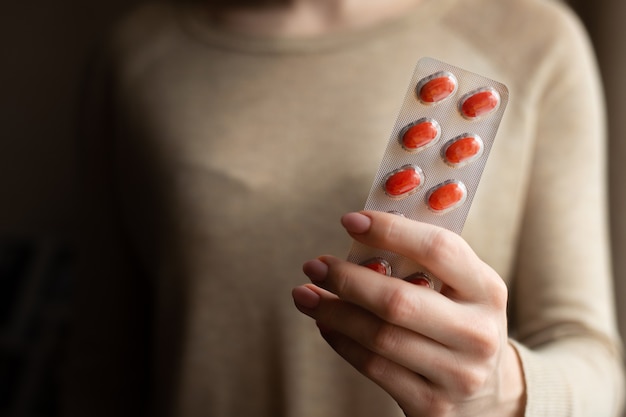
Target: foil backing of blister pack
460,129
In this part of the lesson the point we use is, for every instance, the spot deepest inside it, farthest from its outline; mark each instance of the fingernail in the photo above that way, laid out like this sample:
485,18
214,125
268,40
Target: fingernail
305,297
316,270
356,222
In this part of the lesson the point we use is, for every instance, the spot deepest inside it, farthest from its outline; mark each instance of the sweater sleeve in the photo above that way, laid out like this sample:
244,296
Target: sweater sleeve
562,296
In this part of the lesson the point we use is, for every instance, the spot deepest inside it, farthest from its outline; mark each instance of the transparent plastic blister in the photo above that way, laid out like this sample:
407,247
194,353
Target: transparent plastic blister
435,157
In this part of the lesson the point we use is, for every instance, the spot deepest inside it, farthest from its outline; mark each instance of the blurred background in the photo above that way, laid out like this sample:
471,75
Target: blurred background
45,47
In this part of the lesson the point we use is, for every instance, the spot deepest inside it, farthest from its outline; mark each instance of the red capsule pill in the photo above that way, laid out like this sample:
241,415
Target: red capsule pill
420,135
379,265
420,278
403,181
436,87
462,149
446,196
479,103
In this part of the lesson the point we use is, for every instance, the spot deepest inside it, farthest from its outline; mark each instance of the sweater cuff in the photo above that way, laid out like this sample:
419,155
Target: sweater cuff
547,391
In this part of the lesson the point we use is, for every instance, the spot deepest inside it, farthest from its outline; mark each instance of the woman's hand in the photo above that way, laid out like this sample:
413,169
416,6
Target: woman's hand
436,353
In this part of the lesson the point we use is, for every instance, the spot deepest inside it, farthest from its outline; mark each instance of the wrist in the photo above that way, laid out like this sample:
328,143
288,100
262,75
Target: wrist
512,393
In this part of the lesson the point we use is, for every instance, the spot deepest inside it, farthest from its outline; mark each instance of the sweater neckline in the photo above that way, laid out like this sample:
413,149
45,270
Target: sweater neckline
198,25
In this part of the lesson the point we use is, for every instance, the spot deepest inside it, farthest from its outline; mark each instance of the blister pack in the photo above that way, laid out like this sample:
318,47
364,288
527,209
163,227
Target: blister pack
434,158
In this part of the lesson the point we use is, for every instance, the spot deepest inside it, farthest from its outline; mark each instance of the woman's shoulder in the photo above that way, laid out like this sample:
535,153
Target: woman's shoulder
146,28
527,25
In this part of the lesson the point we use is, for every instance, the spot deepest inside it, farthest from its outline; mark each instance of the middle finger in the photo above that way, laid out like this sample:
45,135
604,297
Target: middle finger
412,307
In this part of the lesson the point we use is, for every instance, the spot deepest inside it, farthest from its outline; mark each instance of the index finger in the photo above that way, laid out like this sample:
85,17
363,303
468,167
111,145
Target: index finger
444,253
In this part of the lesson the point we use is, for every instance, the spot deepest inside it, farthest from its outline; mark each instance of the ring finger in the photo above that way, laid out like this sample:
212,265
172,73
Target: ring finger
402,346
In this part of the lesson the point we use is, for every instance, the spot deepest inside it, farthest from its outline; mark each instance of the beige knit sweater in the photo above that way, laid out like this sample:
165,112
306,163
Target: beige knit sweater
229,160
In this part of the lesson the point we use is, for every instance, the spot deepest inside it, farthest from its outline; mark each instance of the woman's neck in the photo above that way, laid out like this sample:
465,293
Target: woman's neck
306,18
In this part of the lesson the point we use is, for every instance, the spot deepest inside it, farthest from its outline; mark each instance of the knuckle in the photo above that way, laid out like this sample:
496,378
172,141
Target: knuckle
472,380
443,246
391,230
375,367
399,306
439,405
500,293
484,339
340,279
386,338
495,290
487,341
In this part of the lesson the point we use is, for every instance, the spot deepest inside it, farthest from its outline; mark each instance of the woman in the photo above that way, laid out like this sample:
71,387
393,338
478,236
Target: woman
242,132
